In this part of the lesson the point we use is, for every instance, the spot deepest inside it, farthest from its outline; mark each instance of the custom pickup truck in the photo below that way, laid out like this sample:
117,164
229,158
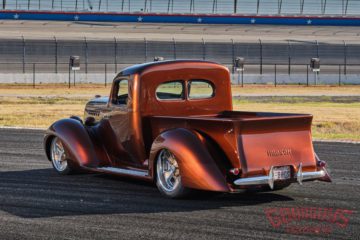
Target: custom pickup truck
172,122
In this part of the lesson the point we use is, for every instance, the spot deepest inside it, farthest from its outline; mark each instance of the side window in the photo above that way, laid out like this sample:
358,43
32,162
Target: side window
200,89
122,92
173,90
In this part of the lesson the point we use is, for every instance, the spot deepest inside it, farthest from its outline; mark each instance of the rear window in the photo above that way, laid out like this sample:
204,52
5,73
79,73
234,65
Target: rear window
173,90
200,89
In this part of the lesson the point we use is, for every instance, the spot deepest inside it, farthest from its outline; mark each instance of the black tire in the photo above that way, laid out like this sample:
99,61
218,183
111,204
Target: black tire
58,157
175,190
180,193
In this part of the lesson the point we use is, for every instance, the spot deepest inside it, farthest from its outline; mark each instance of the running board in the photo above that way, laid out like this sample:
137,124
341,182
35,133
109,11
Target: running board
139,173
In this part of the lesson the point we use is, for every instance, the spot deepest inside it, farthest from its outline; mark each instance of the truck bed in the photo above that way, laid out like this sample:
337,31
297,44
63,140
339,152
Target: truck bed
252,141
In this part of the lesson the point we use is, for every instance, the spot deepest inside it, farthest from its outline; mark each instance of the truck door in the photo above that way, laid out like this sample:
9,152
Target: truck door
120,118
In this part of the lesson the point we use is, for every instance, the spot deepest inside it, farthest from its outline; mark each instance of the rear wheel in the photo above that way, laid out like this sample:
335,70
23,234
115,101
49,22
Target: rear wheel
58,157
168,178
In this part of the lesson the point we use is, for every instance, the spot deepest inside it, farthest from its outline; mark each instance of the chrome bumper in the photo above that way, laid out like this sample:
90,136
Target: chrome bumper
270,179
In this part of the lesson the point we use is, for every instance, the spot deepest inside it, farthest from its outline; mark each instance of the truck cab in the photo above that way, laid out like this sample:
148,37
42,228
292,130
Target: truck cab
172,122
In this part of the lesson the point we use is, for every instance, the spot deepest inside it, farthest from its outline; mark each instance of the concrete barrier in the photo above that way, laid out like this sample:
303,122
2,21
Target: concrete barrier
101,78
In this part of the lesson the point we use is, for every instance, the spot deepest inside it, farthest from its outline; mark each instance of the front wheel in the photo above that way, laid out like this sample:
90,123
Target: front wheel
168,176
58,157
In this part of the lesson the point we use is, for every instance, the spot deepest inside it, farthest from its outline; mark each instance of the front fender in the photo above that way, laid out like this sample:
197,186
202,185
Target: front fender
197,168
76,141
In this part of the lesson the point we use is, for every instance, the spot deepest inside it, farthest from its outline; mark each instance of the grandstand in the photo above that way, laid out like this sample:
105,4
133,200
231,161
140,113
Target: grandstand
178,29
261,7
295,12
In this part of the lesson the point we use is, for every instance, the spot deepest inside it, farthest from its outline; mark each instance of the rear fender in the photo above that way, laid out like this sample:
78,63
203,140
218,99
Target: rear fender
197,168
76,141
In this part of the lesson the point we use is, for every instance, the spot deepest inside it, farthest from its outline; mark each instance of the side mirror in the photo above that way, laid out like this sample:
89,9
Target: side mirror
97,96
90,121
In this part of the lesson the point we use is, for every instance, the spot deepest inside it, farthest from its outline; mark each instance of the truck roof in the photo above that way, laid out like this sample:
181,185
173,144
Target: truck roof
141,67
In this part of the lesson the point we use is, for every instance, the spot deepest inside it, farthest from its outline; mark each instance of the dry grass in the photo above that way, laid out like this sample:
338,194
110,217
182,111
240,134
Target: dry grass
331,120
27,107
36,111
38,116
60,90
260,90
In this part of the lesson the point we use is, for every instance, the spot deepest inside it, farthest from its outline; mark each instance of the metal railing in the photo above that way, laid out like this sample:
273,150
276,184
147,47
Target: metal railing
103,73
261,7
22,60
116,52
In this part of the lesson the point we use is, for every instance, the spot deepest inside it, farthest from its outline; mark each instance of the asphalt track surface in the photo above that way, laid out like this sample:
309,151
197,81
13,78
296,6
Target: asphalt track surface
37,203
187,32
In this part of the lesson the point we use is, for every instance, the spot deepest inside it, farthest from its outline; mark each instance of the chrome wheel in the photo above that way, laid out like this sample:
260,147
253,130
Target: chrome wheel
168,174
58,156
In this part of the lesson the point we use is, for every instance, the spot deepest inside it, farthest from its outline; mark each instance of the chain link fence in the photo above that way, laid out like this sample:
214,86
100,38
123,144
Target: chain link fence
47,60
103,73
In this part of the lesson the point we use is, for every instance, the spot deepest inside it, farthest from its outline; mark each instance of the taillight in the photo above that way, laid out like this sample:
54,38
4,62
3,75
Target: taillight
234,171
321,163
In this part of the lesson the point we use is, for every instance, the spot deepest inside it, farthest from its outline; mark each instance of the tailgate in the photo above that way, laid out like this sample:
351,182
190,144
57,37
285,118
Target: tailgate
275,141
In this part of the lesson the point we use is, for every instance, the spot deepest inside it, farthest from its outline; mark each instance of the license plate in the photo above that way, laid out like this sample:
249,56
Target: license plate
281,173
